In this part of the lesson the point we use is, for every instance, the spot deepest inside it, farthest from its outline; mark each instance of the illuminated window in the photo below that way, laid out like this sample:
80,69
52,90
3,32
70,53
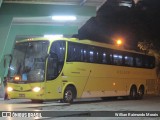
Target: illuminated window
117,59
104,58
128,60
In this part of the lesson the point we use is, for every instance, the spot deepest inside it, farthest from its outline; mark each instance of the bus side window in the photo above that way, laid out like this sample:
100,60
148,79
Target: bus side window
117,59
151,62
81,58
128,60
104,57
97,57
110,58
138,61
91,54
58,47
85,56
70,56
146,61
78,53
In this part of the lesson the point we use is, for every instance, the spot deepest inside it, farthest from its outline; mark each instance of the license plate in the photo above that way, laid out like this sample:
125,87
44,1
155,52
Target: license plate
22,95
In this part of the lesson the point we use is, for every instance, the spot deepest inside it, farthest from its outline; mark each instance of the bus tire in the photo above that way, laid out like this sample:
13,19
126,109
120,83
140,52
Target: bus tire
140,92
69,94
133,93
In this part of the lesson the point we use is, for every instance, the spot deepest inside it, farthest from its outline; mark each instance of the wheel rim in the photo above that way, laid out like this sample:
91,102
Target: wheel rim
140,93
133,93
68,96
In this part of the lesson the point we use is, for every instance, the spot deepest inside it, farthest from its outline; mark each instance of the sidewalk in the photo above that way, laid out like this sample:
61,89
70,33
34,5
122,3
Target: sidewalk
26,105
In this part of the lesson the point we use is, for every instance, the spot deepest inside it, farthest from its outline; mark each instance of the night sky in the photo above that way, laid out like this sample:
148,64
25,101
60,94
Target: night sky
139,22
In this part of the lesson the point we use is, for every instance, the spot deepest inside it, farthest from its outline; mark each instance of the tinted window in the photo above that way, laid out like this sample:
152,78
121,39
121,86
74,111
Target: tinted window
85,54
138,61
58,47
128,60
117,59
93,54
75,52
151,62
104,57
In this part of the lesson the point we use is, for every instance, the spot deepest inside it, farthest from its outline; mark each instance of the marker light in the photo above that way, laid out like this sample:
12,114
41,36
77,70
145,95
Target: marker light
17,78
36,89
64,18
9,89
114,84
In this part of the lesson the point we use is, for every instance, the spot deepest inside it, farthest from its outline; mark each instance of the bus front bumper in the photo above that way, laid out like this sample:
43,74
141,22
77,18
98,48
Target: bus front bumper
26,95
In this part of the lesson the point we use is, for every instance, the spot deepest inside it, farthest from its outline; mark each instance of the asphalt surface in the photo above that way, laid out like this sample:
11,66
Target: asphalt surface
87,109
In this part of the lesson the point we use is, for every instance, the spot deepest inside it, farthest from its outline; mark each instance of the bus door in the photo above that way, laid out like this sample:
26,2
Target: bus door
54,67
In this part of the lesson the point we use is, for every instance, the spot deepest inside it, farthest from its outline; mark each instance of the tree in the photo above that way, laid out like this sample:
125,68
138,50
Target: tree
147,48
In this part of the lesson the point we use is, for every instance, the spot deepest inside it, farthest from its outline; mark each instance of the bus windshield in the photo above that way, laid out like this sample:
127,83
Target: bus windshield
28,61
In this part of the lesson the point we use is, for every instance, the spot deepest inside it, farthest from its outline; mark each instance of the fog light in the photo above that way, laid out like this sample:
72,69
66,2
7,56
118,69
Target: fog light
36,89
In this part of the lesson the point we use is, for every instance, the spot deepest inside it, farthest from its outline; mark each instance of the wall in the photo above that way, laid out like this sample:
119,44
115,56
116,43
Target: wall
8,31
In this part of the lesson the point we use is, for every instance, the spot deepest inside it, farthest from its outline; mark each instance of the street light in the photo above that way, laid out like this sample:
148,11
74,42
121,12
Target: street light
119,42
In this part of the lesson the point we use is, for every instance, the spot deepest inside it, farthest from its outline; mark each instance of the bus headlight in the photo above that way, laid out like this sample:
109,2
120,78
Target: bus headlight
9,89
36,89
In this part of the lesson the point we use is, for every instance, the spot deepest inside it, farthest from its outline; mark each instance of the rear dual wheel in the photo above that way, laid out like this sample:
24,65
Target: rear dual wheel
140,92
133,93
136,95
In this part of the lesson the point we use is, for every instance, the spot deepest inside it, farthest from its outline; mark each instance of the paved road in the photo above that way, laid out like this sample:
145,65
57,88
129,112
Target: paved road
149,103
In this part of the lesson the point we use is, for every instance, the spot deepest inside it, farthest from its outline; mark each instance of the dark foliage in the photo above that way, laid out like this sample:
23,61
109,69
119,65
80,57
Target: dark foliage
141,22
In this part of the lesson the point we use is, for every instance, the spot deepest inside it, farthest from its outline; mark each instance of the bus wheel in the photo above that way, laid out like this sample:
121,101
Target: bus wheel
133,93
140,92
69,94
37,101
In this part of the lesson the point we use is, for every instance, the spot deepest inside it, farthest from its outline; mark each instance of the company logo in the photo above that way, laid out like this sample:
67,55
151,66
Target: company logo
6,114
21,88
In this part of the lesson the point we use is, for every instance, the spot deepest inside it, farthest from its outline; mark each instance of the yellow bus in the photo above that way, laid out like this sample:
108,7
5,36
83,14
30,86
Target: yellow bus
67,68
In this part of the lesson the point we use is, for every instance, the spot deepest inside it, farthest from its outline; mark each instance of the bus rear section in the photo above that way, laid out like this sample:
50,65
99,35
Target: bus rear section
111,72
